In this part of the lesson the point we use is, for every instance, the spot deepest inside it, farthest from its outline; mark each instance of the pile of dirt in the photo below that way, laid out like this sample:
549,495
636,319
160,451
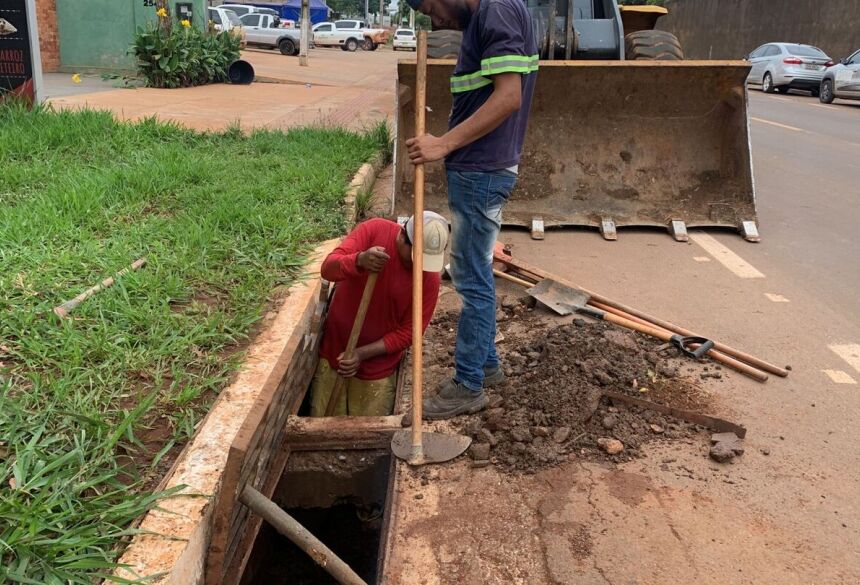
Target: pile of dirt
550,407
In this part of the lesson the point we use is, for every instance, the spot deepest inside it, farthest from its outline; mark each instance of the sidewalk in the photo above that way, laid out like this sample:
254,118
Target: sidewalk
354,90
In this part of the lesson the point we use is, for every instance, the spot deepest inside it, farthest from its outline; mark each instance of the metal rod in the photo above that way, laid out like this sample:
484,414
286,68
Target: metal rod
418,258
552,13
568,31
299,535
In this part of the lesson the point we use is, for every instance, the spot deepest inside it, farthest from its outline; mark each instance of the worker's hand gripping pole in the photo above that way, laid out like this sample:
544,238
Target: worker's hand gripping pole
417,455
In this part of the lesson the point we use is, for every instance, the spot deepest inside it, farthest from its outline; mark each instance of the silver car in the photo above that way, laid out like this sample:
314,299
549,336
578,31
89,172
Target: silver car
784,66
842,80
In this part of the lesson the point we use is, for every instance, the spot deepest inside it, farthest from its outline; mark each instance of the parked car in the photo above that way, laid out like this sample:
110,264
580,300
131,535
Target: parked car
327,35
373,37
784,66
243,9
842,80
262,30
224,19
404,38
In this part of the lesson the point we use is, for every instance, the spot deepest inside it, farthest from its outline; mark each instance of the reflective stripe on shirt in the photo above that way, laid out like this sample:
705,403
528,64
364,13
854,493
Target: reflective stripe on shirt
493,66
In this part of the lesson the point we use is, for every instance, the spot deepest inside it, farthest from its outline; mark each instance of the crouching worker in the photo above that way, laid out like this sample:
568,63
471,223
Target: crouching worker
382,246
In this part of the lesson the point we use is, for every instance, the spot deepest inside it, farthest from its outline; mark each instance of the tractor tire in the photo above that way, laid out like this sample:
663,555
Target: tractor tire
444,44
652,45
287,47
350,45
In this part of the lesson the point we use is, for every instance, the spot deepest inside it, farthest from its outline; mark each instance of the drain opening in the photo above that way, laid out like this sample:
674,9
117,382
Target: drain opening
340,497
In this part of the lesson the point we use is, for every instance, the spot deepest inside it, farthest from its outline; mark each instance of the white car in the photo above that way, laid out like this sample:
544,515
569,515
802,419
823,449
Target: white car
326,35
262,31
223,19
404,38
243,9
842,80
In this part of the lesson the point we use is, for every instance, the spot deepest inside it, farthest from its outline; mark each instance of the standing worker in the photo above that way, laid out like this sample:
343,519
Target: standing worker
383,246
492,89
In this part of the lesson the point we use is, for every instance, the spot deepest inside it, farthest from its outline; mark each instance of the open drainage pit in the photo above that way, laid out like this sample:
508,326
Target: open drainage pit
340,497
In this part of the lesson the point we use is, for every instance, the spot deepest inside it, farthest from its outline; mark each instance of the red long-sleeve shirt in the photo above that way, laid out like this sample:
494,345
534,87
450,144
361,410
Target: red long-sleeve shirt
389,315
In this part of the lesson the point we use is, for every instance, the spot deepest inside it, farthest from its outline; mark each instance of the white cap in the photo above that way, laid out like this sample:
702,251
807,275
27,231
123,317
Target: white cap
435,240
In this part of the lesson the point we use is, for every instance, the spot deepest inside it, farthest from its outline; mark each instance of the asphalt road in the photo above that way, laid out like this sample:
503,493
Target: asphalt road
787,511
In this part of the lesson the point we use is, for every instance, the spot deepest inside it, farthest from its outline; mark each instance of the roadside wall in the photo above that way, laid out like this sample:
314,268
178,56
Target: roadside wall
96,34
49,41
729,29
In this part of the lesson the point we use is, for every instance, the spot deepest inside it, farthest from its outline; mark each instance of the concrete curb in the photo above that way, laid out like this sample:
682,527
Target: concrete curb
174,536
362,182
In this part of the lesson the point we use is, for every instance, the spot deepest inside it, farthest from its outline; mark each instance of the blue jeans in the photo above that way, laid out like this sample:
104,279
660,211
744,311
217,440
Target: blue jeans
476,200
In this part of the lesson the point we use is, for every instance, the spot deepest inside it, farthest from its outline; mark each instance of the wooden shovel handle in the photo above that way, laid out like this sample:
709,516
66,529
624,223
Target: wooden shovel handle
665,335
340,383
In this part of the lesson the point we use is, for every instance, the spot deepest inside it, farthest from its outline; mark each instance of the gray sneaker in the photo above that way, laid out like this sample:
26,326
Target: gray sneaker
453,399
493,377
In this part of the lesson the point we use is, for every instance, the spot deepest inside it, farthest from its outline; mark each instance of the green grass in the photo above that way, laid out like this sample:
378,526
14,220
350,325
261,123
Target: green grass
223,219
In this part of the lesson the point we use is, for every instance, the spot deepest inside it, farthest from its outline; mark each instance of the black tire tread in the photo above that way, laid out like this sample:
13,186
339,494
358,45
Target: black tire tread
284,43
826,99
652,45
444,44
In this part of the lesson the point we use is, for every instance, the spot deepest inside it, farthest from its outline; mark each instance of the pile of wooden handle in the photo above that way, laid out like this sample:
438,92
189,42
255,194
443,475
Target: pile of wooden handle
527,275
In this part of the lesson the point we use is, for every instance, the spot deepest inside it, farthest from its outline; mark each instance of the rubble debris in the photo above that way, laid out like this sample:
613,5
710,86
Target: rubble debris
611,446
552,407
725,447
479,451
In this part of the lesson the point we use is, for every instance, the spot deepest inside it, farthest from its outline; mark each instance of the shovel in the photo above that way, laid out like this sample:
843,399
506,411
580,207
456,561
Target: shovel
565,300
415,446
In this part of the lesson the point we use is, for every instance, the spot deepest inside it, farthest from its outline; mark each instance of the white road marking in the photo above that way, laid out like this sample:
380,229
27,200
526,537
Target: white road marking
781,99
850,352
839,377
829,107
776,298
777,124
726,257
701,259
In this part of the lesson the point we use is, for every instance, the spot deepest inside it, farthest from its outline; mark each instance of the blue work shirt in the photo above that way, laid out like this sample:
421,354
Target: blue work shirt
498,39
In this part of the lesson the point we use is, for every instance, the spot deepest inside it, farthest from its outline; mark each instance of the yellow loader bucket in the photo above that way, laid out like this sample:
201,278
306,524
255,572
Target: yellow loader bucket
613,143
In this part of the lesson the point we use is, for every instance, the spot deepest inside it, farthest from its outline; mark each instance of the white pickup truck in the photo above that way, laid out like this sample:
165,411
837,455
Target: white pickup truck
261,30
349,35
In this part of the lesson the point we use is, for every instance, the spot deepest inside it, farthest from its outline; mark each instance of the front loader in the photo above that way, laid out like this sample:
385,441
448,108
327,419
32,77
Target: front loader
622,132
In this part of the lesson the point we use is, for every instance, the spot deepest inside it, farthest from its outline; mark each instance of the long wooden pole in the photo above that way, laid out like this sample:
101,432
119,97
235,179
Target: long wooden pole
299,535
418,259
339,384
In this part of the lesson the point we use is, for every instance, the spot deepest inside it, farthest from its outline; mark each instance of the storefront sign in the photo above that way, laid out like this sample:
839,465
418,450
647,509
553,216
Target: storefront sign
20,67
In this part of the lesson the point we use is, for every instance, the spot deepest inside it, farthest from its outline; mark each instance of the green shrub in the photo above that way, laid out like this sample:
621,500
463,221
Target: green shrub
184,56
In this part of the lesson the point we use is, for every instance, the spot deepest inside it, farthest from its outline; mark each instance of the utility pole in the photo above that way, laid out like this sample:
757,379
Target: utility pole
305,40
381,13
366,11
412,18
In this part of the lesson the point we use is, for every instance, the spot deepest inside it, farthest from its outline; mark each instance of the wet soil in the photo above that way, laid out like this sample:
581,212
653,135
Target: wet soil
550,409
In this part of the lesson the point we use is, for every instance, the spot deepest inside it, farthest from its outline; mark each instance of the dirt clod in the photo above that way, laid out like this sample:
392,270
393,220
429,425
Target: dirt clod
611,446
561,434
479,451
722,452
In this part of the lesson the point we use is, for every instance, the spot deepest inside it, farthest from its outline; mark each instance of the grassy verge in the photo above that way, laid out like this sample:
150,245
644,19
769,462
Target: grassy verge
91,406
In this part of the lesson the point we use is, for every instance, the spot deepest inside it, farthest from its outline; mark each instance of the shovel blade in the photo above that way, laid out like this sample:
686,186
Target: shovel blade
558,297
436,447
